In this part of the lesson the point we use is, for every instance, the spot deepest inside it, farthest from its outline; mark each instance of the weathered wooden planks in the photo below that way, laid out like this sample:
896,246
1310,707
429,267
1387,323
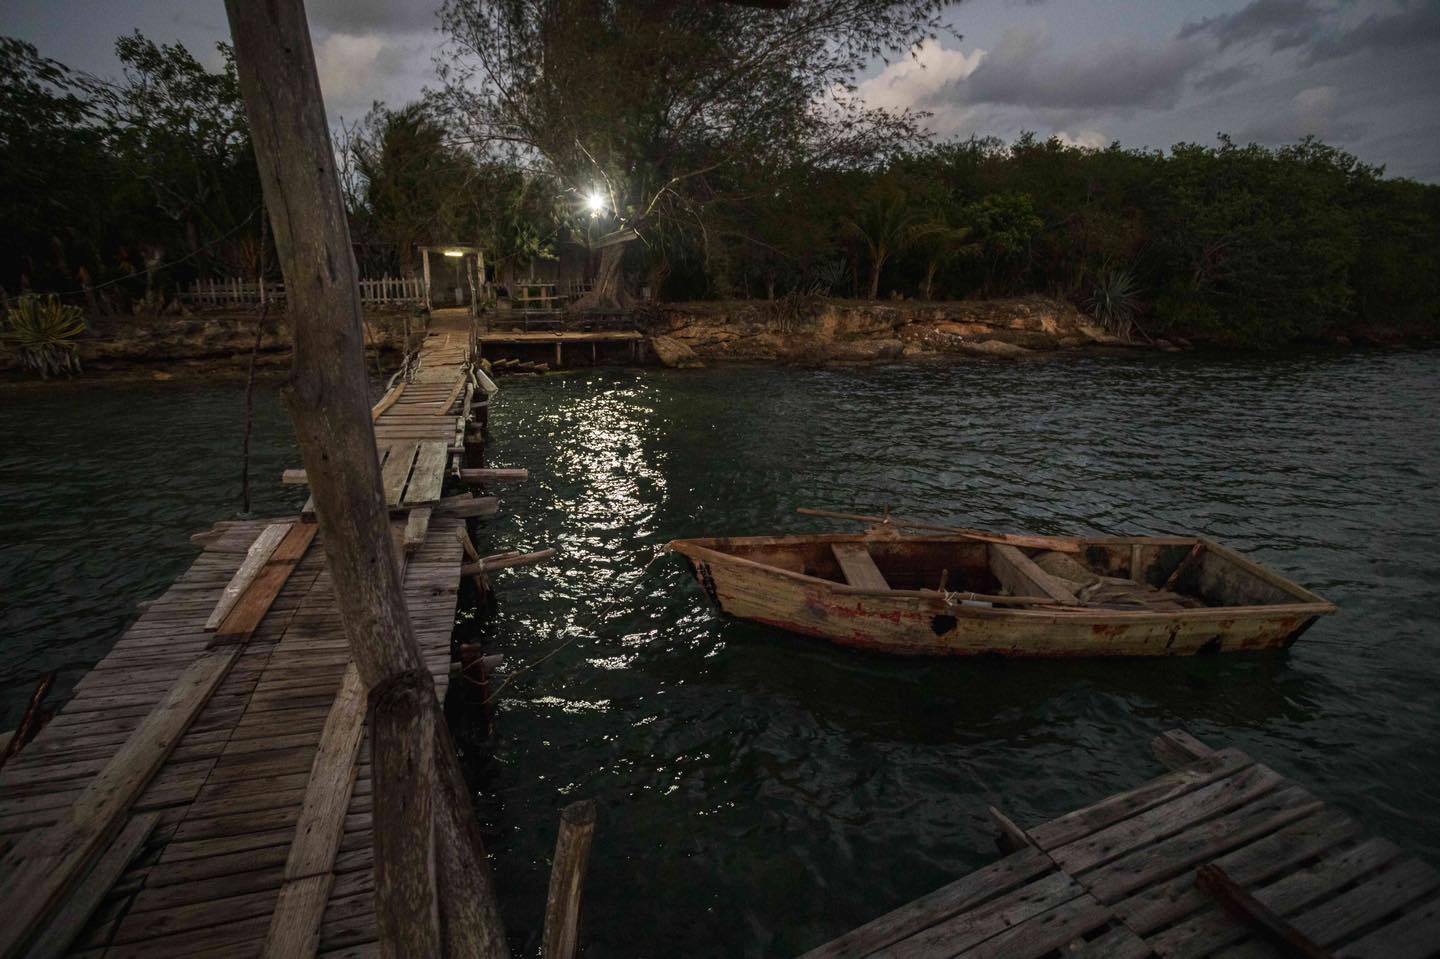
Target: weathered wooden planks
396,471
67,924
255,559
1118,879
859,566
1019,574
44,867
248,819
247,612
428,476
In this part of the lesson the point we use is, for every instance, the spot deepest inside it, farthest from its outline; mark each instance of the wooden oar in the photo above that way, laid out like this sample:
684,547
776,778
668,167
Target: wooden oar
1064,544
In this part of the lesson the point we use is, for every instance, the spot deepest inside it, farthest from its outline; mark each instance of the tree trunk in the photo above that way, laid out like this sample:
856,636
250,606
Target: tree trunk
930,280
330,407
608,293
875,268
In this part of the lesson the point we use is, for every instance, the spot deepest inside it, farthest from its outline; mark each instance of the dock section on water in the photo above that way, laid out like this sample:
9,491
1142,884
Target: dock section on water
207,789
633,341
1221,857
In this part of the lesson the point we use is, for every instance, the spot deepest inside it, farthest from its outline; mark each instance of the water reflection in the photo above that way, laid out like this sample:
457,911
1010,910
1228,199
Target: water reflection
761,792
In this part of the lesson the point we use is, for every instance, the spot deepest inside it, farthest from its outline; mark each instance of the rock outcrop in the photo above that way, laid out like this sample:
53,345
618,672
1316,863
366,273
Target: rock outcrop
674,353
842,331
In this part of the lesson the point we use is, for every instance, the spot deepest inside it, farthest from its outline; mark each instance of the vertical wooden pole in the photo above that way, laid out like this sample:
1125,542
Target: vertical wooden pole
421,846
425,267
567,881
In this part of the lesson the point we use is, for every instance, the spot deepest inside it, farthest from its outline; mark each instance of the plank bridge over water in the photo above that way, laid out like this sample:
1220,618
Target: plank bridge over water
207,789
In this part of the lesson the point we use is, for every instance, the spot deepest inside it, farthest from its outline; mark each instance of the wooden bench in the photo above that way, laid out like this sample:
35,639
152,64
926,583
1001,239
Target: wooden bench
858,566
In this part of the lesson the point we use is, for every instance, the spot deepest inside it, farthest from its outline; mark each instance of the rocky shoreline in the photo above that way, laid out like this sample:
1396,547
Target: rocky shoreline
828,332
794,331
199,344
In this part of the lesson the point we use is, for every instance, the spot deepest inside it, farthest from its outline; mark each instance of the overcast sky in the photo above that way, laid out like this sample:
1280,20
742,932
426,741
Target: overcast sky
1362,74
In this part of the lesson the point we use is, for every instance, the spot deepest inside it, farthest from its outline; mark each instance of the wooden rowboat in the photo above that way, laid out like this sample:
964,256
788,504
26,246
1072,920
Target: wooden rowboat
971,593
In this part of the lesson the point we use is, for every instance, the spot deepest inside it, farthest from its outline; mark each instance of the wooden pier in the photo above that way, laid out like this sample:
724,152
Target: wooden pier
207,790
1221,857
634,339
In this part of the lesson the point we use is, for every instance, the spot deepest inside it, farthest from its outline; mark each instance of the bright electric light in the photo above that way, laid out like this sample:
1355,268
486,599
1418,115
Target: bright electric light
596,203
454,252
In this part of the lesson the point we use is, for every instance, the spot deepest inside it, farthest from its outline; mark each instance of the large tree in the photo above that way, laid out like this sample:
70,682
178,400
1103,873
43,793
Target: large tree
647,112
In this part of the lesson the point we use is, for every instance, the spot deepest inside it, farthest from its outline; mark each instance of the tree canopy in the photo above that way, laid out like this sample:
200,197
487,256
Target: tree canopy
728,138
660,110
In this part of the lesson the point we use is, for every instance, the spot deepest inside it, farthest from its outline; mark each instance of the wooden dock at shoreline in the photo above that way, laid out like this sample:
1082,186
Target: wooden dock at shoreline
634,341
1221,857
207,789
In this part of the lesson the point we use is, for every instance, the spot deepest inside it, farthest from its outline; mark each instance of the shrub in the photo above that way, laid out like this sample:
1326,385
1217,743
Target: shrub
42,332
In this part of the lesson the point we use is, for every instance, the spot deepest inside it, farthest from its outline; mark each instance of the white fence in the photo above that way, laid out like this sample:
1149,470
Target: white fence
237,292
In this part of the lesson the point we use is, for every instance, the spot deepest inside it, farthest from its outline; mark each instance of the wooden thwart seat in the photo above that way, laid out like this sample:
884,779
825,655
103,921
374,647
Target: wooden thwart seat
859,566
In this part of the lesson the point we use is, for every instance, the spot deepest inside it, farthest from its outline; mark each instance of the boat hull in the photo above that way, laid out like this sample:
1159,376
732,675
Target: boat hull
912,622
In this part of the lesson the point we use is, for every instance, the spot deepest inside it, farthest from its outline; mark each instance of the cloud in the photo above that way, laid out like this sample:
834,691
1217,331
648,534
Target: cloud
345,60
1224,78
1092,139
1415,25
358,68
1022,70
367,16
917,78
1314,111
1283,22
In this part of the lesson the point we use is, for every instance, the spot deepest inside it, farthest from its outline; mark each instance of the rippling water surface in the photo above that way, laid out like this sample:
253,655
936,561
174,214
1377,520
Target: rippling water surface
761,793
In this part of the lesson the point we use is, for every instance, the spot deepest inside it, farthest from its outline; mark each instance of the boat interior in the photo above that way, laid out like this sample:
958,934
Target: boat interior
1150,573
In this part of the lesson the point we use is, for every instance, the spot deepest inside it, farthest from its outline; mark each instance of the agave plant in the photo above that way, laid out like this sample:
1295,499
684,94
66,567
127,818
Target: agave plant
1115,300
42,333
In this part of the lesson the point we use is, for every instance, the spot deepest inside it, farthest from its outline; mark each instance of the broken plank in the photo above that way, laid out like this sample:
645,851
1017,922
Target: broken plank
428,477
257,600
386,401
416,527
69,922
467,505
397,470
961,895
45,866
255,559
494,475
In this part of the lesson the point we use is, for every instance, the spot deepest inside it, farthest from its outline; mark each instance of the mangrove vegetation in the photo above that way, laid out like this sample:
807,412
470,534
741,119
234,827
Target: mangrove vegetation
708,176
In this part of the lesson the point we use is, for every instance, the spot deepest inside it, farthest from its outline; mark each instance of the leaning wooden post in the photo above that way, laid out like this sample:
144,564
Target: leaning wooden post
420,815
567,881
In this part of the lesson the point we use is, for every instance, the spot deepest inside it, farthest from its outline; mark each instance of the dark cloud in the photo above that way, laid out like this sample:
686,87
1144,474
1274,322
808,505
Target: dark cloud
1021,71
366,16
1224,78
1286,23
1417,25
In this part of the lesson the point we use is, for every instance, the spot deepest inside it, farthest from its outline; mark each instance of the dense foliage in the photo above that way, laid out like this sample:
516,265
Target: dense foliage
117,192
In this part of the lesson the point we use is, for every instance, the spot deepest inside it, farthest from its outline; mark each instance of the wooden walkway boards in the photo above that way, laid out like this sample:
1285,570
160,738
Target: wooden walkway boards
1117,880
207,789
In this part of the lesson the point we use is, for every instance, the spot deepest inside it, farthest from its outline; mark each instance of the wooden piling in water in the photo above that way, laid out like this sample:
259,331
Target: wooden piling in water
567,881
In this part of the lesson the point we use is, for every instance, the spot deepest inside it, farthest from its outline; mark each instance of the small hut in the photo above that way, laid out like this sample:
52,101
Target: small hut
458,280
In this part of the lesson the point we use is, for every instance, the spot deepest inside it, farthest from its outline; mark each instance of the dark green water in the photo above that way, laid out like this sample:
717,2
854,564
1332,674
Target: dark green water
760,793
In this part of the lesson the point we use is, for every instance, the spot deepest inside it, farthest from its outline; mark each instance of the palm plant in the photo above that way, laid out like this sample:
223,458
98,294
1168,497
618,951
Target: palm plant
944,244
886,224
42,333
1115,301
